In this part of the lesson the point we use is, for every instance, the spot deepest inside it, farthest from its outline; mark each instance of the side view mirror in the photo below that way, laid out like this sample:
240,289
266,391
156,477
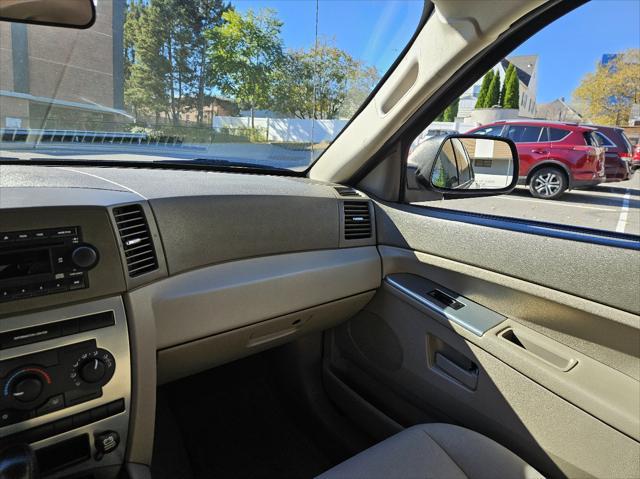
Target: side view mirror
58,13
458,166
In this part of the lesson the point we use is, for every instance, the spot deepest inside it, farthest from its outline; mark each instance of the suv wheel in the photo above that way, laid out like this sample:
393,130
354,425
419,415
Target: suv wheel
548,183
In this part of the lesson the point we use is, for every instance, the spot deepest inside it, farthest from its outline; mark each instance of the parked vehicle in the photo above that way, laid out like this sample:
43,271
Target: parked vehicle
635,159
554,156
618,152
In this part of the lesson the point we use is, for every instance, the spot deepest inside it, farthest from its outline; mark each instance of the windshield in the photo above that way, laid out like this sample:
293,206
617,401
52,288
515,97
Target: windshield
268,83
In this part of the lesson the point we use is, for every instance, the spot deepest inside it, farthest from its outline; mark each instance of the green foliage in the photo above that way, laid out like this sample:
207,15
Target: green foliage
178,53
324,82
493,95
451,111
484,90
166,66
511,89
246,51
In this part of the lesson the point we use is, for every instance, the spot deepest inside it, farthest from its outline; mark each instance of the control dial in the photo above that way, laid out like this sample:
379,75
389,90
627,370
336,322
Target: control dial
84,257
93,367
93,370
26,384
27,389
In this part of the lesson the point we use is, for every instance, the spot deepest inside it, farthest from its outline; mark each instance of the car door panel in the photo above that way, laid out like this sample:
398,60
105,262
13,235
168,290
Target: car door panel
558,369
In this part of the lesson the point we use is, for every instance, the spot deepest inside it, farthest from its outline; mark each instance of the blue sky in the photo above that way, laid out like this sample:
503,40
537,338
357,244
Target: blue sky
375,31
572,45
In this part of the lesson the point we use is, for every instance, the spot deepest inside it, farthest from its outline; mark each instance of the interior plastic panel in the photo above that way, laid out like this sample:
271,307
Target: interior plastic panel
445,303
227,296
529,418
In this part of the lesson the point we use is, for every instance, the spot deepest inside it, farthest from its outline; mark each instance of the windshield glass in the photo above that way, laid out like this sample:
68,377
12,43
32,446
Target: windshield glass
269,83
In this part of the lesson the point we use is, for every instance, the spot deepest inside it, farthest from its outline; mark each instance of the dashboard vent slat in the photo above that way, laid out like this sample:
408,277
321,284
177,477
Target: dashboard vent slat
135,237
357,220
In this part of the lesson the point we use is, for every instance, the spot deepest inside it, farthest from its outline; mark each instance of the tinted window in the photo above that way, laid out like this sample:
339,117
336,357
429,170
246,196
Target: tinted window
603,140
627,143
489,130
556,134
524,134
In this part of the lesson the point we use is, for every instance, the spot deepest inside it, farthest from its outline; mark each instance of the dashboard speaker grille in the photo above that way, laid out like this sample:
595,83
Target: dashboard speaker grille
136,239
357,220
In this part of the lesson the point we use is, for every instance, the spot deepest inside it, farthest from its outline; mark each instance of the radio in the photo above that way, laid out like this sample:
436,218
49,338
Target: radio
38,262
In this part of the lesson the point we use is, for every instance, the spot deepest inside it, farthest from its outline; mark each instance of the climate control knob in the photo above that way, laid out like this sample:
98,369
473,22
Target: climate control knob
84,257
27,389
93,370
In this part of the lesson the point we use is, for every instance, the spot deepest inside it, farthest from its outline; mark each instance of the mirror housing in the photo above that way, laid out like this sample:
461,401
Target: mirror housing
455,166
57,13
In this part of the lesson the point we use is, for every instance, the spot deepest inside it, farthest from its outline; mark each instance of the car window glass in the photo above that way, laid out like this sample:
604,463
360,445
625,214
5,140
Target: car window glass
447,174
269,83
556,134
490,130
603,140
462,162
524,134
551,117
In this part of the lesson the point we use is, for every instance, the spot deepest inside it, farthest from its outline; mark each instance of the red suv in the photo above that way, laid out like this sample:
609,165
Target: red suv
554,156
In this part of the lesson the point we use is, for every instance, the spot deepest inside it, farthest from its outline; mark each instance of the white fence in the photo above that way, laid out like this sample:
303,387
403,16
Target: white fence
292,130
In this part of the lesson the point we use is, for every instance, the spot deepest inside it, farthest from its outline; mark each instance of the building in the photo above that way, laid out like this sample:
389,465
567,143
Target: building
52,77
558,110
527,71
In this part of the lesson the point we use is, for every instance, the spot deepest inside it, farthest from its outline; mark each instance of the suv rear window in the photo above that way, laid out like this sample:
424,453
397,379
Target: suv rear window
524,134
603,139
556,134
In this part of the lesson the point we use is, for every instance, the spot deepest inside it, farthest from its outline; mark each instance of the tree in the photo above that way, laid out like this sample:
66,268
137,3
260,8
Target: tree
503,92
323,82
166,60
203,16
608,93
511,89
145,65
484,90
451,111
247,51
493,95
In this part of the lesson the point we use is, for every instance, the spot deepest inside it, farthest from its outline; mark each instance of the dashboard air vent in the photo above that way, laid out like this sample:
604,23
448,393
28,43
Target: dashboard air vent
136,239
346,191
357,220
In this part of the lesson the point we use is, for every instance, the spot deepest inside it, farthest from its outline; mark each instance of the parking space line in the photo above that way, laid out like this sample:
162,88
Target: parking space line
624,213
561,204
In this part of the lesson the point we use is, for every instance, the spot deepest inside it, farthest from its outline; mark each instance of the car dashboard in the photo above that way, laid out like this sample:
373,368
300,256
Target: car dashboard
115,280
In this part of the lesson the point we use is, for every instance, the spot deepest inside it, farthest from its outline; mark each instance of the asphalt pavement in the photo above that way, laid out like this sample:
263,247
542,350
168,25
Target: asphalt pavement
608,206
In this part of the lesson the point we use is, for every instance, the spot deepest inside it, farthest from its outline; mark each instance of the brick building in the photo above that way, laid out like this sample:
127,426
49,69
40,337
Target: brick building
55,77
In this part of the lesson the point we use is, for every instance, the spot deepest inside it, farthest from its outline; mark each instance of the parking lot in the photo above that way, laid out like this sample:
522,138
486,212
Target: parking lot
609,206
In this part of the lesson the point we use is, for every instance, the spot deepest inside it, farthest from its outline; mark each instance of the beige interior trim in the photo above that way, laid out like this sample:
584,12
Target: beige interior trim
219,298
588,383
457,32
206,353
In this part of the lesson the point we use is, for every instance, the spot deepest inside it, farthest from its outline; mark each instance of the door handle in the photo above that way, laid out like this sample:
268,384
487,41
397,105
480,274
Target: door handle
540,152
467,377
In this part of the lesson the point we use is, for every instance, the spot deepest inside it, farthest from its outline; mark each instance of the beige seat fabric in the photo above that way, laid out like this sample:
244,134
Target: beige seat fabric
434,451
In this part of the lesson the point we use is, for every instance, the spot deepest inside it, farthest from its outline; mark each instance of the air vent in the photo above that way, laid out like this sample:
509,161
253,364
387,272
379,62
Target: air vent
346,191
136,239
357,220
